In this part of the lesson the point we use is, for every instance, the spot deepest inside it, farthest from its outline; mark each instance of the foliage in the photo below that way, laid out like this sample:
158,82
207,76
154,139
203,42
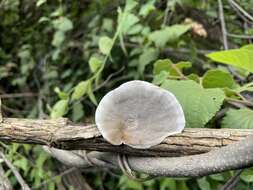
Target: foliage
242,118
199,104
241,58
69,54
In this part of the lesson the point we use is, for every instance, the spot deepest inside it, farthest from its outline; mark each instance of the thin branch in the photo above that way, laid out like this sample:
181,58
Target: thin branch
22,183
234,156
18,95
223,25
166,14
182,76
239,8
231,183
185,50
242,102
224,37
60,133
239,36
109,78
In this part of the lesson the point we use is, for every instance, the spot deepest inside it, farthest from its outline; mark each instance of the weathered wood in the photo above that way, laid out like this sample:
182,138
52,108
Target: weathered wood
62,134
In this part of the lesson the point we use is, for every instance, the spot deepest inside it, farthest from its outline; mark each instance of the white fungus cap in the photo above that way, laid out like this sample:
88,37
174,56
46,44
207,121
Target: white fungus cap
139,114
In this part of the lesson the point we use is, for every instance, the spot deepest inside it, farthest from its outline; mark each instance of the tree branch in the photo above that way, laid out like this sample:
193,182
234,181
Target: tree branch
60,133
234,156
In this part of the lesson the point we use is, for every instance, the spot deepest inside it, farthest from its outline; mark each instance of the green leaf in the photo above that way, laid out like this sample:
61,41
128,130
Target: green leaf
108,25
247,175
105,45
242,58
131,184
61,94
147,8
80,89
59,109
162,65
129,21
136,29
168,34
180,66
193,77
21,163
215,78
203,184
160,78
242,118
147,57
248,47
217,177
43,19
167,183
95,63
58,38
91,95
63,24
130,5
40,2
166,65
199,104
78,111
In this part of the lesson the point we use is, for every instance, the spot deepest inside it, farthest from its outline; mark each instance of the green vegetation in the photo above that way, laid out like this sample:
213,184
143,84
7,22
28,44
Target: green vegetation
61,57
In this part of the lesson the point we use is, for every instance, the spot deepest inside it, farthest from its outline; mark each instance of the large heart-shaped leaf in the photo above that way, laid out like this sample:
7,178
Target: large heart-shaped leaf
199,104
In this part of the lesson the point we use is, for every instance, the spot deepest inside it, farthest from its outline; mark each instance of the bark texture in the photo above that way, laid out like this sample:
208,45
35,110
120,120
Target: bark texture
60,133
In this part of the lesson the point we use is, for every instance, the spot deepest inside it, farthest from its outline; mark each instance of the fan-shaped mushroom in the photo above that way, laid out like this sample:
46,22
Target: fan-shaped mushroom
139,114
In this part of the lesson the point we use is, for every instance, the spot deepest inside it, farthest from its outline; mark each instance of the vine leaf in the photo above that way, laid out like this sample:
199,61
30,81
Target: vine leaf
80,89
166,65
242,58
59,109
242,118
168,34
105,45
95,63
247,175
91,95
199,104
215,78
146,58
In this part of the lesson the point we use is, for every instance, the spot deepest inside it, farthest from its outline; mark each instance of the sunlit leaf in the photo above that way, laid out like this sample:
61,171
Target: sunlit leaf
91,95
199,104
59,109
95,63
40,2
160,78
242,58
63,24
105,45
80,90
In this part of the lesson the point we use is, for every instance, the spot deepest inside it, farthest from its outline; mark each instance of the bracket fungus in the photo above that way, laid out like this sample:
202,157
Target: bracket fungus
139,114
